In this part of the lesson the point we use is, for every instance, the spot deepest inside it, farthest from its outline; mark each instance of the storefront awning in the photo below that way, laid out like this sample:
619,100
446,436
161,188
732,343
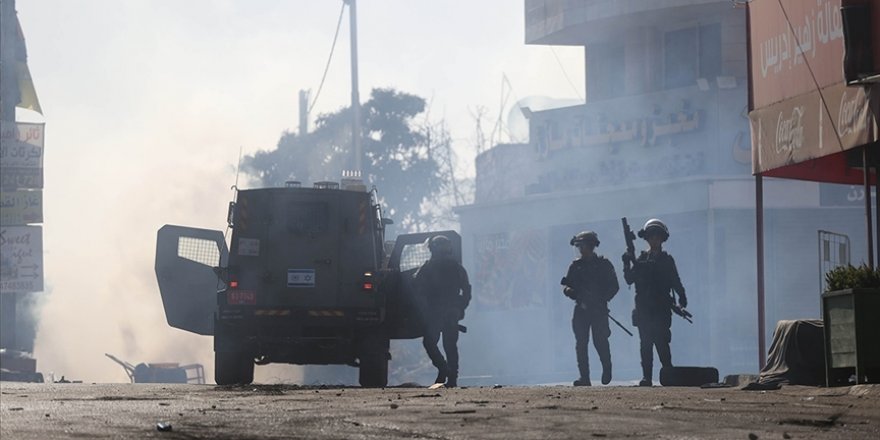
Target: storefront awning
807,137
804,114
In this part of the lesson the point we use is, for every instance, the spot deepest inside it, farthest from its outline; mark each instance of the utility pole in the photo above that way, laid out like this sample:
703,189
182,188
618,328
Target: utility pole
8,77
355,97
8,99
304,112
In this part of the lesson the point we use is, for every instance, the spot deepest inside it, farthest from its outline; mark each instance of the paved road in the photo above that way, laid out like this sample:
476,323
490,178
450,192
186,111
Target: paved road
50,411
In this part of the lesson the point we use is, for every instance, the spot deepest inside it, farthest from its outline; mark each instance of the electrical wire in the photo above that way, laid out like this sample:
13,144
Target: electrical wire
839,138
329,57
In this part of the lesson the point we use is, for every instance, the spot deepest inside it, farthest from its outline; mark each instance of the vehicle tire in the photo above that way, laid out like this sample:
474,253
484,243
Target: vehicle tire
374,371
373,361
231,368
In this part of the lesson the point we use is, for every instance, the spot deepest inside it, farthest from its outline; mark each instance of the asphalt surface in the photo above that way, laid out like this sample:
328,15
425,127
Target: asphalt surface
53,411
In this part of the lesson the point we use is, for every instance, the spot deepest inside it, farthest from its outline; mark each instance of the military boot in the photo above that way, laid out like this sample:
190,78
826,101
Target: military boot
606,374
452,380
646,375
582,382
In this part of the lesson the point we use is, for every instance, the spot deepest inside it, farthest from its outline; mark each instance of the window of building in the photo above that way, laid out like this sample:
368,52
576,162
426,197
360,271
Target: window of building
691,53
710,51
680,58
605,71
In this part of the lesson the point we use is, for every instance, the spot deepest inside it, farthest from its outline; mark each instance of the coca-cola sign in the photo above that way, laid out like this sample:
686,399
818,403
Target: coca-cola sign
790,130
813,125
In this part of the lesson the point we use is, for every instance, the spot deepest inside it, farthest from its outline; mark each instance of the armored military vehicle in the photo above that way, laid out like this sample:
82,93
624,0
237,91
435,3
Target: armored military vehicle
307,278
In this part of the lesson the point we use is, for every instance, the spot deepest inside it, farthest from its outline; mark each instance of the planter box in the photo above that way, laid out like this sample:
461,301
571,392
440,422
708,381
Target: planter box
852,336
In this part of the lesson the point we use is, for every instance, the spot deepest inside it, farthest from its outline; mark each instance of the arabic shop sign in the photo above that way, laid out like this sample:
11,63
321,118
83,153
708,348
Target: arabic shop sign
21,145
559,131
21,207
843,195
795,45
21,259
21,155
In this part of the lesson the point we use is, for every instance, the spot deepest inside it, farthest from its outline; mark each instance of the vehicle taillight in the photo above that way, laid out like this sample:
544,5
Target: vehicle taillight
368,285
233,284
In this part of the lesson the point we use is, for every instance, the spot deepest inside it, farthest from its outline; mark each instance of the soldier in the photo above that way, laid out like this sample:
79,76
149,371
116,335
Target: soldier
591,282
444,284
655,275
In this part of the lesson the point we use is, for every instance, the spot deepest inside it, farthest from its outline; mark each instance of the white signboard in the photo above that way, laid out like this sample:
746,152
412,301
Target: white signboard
21,155
21,145
21,259
21,207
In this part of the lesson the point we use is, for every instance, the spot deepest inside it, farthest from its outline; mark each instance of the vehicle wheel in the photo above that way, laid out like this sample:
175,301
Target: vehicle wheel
374,371
373,361
232,368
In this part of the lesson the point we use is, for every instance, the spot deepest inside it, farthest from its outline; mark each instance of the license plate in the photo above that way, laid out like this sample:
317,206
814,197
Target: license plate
300,277
241,297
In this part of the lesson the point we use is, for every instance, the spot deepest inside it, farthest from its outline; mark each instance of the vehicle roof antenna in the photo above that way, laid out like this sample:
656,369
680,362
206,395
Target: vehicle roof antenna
234,188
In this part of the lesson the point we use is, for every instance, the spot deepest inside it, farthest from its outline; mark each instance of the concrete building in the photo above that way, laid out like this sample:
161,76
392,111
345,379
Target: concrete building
664,133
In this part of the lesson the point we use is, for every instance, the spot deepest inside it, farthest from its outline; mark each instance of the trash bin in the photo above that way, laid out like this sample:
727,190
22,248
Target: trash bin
852,336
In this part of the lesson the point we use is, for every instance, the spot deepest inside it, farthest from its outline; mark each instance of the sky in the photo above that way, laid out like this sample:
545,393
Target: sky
147,104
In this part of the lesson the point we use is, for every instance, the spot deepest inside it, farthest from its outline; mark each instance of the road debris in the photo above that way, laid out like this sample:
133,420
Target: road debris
459,411
163,427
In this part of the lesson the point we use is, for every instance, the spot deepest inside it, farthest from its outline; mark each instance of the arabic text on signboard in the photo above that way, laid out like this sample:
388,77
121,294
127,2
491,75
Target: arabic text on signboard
21,145
21,207
21,259
20,178
797,46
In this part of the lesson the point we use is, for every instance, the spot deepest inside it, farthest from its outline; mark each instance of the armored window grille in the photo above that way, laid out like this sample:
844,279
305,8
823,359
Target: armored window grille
199,250
413,256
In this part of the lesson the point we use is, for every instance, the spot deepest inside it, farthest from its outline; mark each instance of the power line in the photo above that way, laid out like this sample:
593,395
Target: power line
813,76
329,58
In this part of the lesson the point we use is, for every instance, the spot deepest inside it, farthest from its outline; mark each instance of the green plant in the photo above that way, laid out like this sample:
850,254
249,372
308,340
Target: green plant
851,277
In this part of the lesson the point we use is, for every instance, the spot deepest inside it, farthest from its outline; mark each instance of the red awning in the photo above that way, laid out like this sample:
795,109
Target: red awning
834,168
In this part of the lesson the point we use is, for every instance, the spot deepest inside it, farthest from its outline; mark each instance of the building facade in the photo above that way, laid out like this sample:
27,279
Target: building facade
664,133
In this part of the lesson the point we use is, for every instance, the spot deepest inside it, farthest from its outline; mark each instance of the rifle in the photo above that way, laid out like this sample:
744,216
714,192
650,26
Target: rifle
630,238
681,311
619,324
564,282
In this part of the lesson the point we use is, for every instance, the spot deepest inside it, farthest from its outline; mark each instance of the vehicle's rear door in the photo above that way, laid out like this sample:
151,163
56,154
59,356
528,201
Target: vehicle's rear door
406,306
186,259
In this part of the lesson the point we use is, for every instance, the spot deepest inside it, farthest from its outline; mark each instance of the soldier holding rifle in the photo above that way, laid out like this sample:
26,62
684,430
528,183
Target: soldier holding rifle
655,275
591,282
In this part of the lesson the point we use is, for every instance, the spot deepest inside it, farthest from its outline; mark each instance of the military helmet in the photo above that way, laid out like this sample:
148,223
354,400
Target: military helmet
439,243
583,237
654,226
